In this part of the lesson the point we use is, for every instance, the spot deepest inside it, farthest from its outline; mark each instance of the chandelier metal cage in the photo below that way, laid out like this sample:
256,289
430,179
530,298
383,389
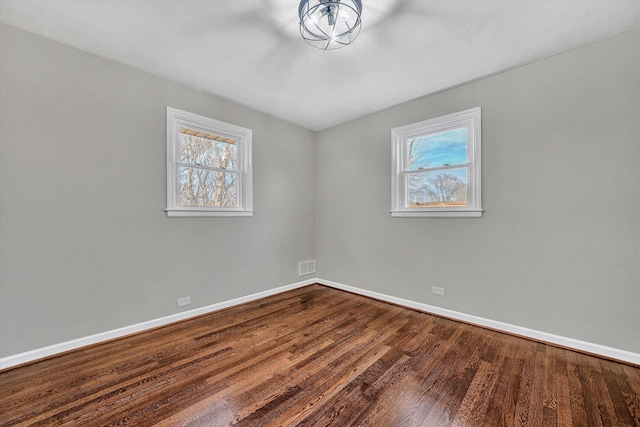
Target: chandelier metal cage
330,24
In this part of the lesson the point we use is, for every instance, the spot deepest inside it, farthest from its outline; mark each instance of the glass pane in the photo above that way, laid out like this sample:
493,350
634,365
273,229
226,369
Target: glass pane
202,187
205,151
438,149
441,188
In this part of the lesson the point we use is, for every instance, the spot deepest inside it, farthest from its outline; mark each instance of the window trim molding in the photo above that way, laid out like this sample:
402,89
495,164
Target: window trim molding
471,119
179,118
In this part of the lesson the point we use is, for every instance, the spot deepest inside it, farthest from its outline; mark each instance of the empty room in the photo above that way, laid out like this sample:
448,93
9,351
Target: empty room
320,212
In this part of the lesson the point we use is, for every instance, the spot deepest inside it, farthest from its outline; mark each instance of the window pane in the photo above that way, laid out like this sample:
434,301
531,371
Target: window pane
202,187
438,149
205,151
439,188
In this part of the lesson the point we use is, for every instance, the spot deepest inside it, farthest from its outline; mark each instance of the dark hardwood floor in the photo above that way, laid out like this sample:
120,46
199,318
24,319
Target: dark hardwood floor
317,356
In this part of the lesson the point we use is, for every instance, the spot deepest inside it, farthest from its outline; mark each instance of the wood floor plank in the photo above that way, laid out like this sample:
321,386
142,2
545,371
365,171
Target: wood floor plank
579,404
316,356
624,399
563,394
501,402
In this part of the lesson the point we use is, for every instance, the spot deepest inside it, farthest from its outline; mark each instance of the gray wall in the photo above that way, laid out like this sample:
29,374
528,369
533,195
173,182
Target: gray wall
558,248
85,244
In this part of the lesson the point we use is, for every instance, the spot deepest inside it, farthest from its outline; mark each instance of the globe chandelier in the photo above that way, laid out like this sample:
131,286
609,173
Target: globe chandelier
330,24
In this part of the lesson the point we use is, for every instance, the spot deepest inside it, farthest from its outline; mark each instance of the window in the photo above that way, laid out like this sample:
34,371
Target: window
436,167
208,167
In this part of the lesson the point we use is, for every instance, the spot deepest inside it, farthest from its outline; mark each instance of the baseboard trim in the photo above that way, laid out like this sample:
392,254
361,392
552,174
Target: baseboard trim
30,356
583,346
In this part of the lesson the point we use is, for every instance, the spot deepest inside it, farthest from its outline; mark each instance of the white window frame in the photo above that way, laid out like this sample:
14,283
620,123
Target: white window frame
471,119
177,119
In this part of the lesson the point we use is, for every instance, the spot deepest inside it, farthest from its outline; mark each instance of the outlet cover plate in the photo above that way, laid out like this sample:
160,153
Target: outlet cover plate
437,290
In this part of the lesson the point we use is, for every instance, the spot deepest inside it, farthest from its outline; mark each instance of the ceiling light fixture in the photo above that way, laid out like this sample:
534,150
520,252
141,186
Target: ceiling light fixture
330,24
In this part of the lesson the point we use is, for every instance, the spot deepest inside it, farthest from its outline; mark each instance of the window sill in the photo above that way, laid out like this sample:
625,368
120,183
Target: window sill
195,213
439,213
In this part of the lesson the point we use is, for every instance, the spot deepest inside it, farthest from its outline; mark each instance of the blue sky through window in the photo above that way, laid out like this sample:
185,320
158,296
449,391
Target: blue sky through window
436,150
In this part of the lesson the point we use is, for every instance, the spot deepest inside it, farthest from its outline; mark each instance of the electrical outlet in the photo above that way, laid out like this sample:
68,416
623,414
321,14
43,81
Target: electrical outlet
184,301
437,290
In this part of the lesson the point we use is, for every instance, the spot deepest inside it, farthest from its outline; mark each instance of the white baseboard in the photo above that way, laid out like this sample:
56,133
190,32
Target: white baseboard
596,349
17,359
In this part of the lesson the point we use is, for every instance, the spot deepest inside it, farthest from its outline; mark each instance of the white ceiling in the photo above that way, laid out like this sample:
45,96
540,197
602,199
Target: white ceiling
250,51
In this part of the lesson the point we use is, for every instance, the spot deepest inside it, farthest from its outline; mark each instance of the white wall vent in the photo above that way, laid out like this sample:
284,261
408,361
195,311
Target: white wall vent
306,267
